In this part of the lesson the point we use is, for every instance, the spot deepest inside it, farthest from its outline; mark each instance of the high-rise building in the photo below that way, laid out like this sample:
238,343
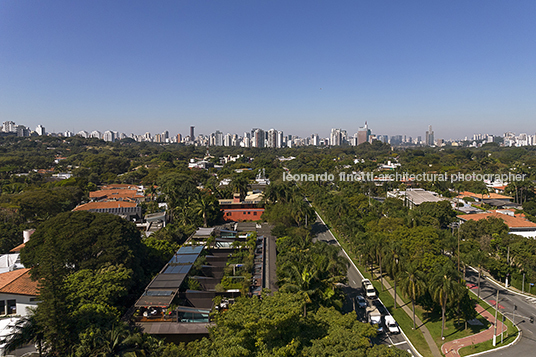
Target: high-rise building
108,136
258,137
335,137
9,127
179,138
22,131
430,137
192,137
83,134
271,138
96,134
227,140
280,139
40,130
363,134
315,140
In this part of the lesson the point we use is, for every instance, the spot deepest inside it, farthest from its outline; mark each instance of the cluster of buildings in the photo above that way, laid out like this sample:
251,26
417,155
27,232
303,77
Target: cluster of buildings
273,138
470,207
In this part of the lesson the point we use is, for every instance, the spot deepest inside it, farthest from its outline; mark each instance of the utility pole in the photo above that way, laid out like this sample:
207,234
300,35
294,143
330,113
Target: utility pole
458,248
502,328
495,328
479,270
523,285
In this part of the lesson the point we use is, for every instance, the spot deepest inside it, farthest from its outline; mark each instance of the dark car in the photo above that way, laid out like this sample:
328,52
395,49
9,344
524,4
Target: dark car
360,302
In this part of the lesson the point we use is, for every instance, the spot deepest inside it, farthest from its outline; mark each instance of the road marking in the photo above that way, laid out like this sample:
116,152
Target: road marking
399,343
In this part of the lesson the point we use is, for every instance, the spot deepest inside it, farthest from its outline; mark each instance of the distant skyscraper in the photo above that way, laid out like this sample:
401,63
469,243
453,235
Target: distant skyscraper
280,142
363,134
108,136
83,134
335,137
22,130
271,138
96,134
179,138
258,138
192,137
9,127
40,130
430,137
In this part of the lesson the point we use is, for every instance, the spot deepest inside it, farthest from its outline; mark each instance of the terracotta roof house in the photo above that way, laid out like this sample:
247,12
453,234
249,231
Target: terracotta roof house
125,209
485,197
104,205
18,292
117,194
517,224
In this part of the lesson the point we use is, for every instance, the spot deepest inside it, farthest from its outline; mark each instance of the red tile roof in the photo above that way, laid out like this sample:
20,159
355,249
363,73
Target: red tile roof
18,282
108,204
116,193
488,196
17,248
512,222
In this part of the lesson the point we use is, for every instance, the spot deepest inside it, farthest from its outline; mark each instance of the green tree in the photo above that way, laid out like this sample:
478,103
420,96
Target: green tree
411,284
443,285
72,242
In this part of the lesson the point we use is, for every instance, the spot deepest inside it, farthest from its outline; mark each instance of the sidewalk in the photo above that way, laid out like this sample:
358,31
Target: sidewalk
420,325
451,348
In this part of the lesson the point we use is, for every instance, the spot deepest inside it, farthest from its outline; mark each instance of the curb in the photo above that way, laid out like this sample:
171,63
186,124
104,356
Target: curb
519,332
352,262
498,348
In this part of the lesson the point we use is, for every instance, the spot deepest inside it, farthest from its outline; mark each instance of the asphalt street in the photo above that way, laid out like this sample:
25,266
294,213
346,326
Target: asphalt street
354,288
526,307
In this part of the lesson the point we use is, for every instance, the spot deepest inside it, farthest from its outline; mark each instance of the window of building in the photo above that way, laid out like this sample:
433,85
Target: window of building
11,307
2,307
254,213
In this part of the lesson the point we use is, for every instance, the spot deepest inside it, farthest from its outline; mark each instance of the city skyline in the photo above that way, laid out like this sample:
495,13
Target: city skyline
273,138
301,66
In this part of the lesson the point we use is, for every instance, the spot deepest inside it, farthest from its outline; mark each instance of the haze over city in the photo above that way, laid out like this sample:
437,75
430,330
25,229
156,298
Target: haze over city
302,66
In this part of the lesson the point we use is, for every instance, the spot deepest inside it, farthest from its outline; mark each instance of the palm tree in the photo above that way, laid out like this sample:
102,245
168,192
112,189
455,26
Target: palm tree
392,259
240,184
300,278
183,213
25,331
202,206
411,284
442,287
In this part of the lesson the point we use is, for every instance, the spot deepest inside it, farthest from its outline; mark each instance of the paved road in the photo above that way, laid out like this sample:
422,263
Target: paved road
354,288
526,307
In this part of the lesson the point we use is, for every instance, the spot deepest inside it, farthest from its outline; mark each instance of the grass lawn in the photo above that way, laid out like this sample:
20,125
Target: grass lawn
509,336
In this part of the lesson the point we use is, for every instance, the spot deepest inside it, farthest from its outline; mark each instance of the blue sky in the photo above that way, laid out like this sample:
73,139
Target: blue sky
298,66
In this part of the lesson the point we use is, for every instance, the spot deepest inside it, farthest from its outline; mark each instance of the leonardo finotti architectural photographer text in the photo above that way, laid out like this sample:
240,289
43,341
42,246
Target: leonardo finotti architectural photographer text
403,177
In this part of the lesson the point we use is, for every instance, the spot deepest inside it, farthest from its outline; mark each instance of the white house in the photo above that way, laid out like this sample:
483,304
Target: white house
18,293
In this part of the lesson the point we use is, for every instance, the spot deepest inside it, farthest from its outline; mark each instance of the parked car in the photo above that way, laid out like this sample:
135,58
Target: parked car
360,302
370,292
391,324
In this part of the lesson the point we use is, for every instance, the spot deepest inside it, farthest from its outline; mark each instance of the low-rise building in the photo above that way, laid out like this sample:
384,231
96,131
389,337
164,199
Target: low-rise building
517,224
413,197
248,209
18,293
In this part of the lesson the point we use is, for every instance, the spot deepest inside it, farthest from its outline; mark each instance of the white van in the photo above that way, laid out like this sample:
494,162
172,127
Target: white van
370,292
